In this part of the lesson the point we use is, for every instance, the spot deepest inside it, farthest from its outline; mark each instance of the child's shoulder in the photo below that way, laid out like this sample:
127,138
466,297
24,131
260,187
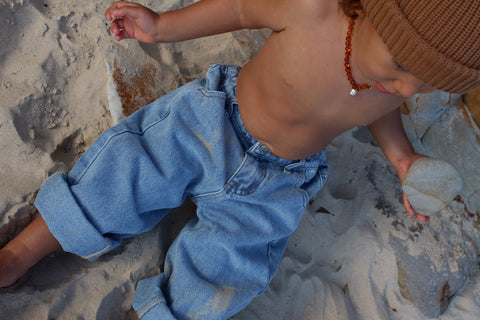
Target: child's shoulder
278,14
313,8
314,14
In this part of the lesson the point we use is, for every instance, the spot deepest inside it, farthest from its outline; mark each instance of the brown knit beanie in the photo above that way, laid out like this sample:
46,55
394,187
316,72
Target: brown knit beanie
438,41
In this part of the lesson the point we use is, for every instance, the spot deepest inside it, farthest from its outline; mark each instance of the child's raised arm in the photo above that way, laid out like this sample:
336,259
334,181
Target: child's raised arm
391,137
203,18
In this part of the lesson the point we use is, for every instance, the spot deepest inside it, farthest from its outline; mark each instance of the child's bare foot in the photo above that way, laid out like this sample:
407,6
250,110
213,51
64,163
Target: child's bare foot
10,268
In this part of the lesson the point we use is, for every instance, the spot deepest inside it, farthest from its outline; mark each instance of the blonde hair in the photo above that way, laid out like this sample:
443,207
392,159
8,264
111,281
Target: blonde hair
350,7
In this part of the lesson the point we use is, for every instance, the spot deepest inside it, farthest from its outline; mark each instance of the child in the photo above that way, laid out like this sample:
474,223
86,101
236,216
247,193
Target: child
247,145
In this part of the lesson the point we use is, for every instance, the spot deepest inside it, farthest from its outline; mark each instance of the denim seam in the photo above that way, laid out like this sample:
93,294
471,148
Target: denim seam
232,185
113,136
99,252
299,189
211,93
221,192
229,186
270,275
243,137
209,196
163,116
153,302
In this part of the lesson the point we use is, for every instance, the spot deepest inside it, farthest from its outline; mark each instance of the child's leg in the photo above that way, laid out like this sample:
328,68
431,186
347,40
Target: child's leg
226,257
25,250
123,185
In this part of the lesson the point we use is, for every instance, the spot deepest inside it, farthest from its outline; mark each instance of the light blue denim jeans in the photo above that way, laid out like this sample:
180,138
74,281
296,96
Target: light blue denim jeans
189,143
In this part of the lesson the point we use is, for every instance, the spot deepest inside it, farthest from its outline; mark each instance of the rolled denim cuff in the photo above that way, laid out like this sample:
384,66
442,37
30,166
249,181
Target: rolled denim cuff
149,301
67,222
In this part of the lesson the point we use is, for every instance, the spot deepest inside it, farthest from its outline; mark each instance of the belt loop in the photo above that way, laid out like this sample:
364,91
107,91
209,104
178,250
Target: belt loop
254,149
291,167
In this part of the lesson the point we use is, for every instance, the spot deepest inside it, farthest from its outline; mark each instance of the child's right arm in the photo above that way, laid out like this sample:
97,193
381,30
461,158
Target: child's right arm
203,18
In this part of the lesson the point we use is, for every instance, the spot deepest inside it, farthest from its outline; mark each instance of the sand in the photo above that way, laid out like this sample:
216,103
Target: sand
356,255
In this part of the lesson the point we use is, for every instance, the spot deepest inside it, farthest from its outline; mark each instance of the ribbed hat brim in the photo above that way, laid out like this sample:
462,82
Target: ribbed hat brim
422,57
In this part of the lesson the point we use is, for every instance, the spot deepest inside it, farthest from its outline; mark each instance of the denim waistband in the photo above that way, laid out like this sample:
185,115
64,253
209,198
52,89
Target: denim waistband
224,78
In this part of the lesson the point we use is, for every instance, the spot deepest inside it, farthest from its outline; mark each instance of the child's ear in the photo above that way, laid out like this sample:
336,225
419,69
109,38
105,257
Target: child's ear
360,13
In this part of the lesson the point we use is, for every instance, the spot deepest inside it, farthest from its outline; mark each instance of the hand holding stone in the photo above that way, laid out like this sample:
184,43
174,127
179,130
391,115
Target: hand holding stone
431,184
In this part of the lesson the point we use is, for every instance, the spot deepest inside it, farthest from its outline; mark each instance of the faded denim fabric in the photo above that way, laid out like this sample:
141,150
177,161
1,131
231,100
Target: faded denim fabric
189,143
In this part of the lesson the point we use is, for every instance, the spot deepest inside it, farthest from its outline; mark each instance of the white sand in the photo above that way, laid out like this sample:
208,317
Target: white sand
356,254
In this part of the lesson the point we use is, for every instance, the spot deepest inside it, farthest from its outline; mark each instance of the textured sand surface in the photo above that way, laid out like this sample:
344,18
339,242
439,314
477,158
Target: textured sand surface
356,254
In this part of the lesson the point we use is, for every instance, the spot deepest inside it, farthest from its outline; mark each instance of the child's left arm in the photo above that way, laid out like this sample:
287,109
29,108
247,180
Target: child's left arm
390,135
202,18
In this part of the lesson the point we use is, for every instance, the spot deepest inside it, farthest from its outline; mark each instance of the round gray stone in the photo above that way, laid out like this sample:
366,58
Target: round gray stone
431,184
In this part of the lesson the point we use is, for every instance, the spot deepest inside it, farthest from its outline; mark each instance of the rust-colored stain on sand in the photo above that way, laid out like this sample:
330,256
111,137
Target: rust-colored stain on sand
138,90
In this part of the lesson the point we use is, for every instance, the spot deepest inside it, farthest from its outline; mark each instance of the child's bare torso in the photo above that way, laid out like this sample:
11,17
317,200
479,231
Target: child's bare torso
294,95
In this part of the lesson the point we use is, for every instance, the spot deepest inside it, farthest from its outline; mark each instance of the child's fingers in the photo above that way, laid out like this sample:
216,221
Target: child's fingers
134,12
422,218
411,212
112,12
109,11
118,29
408,206
122,35
117,26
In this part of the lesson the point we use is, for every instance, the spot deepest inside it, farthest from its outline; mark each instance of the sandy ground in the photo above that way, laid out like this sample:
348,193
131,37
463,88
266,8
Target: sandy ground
356,254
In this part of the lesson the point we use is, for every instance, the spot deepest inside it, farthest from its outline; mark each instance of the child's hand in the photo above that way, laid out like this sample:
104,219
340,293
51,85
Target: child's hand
402,170
411,212
132,21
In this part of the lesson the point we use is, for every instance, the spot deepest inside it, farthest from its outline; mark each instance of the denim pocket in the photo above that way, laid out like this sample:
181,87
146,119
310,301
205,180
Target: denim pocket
247,178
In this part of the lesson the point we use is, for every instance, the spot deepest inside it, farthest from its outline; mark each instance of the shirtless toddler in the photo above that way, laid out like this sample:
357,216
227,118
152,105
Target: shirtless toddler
247,144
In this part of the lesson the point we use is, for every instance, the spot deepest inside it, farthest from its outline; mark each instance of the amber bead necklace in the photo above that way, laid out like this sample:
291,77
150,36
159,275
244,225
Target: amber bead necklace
348,52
